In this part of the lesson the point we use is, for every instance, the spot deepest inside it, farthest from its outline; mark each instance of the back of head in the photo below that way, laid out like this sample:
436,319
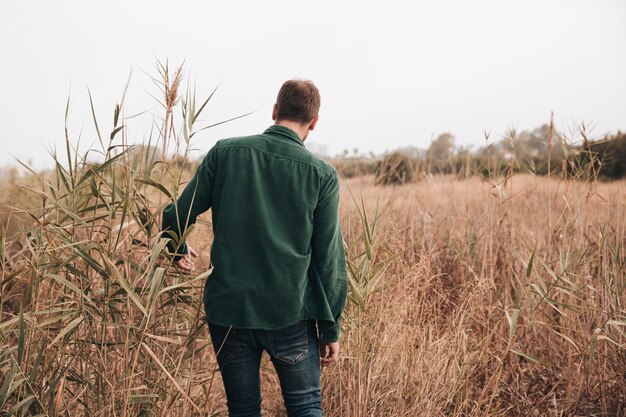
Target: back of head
298,101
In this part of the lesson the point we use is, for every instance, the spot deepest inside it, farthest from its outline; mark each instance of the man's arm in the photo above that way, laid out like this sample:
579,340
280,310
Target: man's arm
182,213
329,260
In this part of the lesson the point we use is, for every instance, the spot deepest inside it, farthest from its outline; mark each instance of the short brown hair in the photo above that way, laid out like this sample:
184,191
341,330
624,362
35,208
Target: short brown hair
298,101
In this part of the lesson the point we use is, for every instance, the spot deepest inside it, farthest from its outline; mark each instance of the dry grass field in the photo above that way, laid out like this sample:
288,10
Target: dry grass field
505,300
465,300
475,297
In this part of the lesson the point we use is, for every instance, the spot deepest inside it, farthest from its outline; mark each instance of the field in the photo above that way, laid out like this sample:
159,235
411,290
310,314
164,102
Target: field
469,300
484,296
504,300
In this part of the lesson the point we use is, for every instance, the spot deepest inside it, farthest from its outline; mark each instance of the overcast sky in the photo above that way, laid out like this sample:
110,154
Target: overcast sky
391,73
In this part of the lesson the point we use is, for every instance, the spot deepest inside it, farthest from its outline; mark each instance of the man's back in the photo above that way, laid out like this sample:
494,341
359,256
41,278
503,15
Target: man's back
265,193
277,242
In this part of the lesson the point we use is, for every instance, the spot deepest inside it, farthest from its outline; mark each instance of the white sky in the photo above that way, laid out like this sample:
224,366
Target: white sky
391,73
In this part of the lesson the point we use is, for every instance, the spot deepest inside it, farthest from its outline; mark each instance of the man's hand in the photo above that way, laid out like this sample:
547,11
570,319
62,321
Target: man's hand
186,263
329,352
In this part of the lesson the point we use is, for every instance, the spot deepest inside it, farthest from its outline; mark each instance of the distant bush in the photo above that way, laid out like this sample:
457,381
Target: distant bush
606,157
395,168
356,167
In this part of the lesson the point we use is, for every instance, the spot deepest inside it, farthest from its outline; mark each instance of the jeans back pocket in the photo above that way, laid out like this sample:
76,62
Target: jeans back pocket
290,344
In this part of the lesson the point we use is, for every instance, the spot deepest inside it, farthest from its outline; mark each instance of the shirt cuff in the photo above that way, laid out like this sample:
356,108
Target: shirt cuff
329,332
178,252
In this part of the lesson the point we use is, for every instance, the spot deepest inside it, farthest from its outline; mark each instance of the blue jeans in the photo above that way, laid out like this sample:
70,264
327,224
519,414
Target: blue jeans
294,351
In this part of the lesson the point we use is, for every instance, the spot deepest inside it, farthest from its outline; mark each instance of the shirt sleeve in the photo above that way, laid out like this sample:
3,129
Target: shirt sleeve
194,200
329,256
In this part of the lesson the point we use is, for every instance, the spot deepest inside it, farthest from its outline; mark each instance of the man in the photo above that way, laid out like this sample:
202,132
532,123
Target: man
279,281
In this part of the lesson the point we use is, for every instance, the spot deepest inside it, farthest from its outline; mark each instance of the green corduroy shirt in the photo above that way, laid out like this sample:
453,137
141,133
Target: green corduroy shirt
277,252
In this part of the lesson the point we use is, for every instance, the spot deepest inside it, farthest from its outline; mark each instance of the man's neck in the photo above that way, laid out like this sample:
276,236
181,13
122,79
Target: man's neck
300,129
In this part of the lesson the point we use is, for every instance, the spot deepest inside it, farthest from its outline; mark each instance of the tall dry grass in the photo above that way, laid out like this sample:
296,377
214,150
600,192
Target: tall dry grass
467,298
488,309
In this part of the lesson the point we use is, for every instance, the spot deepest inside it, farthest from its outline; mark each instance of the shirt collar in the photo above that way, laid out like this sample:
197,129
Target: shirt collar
284,132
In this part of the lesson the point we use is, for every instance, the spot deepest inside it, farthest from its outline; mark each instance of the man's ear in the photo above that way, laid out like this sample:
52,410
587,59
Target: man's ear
314,122
275,112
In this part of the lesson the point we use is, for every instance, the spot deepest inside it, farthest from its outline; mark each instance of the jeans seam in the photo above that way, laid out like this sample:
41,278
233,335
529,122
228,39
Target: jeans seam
253,336
230,333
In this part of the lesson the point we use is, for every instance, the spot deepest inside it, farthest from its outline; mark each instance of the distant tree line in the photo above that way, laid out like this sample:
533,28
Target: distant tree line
537,151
